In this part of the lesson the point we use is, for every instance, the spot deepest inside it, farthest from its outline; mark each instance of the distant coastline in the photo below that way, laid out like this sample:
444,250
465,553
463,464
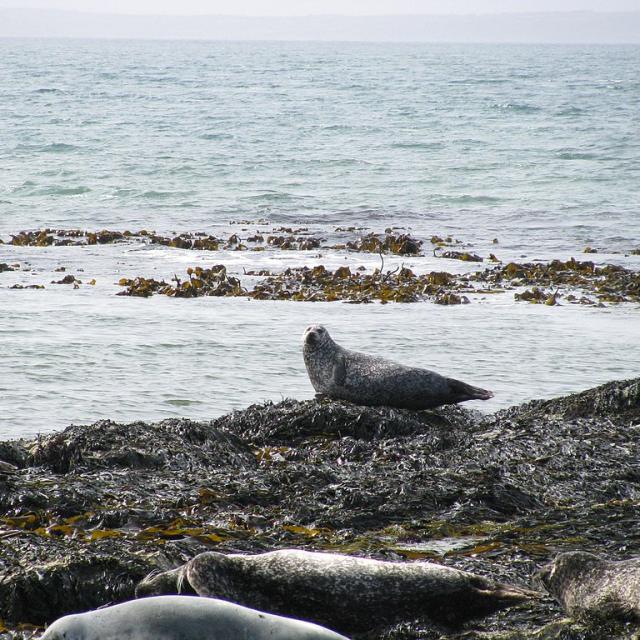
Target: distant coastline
577,27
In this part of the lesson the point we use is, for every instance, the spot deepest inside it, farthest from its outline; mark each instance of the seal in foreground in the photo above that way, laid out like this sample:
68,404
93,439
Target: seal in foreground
362,379
182,617
344,593
586,585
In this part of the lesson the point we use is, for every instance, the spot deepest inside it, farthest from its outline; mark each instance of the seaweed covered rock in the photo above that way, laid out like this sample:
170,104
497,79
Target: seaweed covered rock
37,584
619,400
175,444
86,512
292,421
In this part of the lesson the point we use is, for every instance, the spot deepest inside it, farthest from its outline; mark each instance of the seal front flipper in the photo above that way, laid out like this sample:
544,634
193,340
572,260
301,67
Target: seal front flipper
339,372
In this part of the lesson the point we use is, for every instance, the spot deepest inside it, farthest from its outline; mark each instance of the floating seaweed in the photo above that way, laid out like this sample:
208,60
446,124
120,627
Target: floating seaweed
447,241
465,256
572,281
192,241
403,244
308,284
27,286
609,283
200,282
68,279
293,243
319,284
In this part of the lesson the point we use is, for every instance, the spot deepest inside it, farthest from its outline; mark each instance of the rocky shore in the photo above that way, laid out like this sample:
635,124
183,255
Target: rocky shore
86,513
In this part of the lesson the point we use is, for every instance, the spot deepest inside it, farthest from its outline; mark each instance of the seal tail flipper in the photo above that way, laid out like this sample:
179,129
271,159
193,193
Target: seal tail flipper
462,391
159,583
510,594
498,595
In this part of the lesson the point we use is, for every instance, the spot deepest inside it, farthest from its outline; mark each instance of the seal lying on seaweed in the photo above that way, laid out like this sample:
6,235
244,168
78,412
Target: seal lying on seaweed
180,617
586,585
344,593
370,380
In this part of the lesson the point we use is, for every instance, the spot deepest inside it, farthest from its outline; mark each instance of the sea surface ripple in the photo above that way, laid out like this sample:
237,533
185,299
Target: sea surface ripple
538,146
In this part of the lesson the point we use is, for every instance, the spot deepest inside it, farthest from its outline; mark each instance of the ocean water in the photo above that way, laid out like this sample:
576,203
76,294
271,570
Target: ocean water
538,146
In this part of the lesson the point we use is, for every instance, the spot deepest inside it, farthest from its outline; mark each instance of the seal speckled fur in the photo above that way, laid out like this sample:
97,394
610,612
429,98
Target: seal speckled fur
344,593
368,380
180,617
586,585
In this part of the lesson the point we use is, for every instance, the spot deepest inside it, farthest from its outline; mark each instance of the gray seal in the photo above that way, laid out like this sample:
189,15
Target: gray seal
180,617
588,586
345,593
369,380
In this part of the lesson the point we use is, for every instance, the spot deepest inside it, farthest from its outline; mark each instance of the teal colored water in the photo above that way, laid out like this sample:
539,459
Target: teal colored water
187,134
536,145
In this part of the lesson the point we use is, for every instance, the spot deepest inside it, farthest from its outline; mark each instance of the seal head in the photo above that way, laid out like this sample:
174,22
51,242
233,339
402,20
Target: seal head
588,586
316,337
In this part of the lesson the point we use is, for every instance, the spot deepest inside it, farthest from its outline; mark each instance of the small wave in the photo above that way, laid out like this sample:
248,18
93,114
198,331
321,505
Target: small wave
55,147
571,111
464,81
179,402
271,196
25,186
216,136
468,198
48,90
517,107
577,155
63,191
337,127
58,147
163,195
122,193
417,145
60,173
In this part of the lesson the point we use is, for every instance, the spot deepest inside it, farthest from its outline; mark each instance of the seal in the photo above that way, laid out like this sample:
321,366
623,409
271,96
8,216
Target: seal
588,586
345,593
369,380
180,617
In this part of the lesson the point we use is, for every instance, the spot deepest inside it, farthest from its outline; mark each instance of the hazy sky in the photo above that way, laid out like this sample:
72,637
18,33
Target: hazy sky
310,7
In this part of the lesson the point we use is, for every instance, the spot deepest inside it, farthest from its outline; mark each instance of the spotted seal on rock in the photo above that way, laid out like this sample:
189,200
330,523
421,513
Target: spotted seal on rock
586,585
180,617
369,380
345,593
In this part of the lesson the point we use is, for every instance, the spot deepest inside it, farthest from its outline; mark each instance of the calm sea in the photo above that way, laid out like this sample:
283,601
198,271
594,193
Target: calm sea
538,146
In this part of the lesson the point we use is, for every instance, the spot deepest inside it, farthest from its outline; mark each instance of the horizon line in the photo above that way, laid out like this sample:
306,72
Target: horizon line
322,15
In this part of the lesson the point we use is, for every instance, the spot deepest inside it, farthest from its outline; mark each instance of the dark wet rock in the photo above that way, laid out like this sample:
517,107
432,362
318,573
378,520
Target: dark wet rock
88,511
